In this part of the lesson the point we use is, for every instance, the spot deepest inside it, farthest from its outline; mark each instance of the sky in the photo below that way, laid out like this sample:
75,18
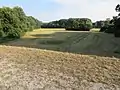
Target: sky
49,10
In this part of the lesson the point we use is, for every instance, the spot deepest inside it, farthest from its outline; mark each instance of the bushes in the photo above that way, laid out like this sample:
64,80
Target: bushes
114,28
108,29
117,33
115,24
117,27
15,33
14,23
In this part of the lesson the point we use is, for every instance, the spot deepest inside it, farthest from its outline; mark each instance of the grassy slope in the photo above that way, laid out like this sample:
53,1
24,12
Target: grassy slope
68,41
25,68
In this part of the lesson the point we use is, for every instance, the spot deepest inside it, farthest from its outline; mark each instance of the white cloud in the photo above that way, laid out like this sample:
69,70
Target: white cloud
94,9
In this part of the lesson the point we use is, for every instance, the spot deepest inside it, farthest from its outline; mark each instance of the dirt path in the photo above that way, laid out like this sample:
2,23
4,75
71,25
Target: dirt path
33,69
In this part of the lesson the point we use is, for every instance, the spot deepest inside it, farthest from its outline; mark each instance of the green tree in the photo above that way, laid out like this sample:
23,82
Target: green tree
116,21
70,24
14,23
80,24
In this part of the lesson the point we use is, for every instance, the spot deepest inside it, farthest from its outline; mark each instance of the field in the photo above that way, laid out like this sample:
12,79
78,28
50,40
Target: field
36,69
93,43
61,60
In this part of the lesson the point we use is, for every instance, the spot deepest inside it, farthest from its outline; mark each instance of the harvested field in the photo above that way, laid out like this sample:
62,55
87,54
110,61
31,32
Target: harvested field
35,69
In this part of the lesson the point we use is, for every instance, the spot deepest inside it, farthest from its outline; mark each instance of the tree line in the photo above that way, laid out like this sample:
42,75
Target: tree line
14,22
114,24
79,24
101,23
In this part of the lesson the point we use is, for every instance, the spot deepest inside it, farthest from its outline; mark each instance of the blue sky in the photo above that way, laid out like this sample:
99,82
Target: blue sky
47,10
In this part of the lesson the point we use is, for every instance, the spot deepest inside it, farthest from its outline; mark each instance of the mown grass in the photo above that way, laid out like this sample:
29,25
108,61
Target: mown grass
92,42
52,42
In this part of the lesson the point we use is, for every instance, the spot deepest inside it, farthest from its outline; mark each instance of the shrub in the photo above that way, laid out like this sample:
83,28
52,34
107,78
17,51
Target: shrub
108,29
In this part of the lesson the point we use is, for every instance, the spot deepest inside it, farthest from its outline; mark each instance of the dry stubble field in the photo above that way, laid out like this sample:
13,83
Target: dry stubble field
36,69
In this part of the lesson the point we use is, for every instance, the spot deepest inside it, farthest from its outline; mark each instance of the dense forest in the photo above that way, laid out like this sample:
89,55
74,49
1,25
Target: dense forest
14,22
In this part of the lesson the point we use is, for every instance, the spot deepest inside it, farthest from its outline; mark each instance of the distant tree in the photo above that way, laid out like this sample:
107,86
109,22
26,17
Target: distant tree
70,24
107,22
113,26
116,21
33,23
117,8
55,24
79,24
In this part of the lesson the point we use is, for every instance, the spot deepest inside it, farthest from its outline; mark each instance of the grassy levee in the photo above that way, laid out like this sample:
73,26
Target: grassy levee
93,43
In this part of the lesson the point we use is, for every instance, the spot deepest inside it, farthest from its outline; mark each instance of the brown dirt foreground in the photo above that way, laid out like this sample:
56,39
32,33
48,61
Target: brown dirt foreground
34,69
